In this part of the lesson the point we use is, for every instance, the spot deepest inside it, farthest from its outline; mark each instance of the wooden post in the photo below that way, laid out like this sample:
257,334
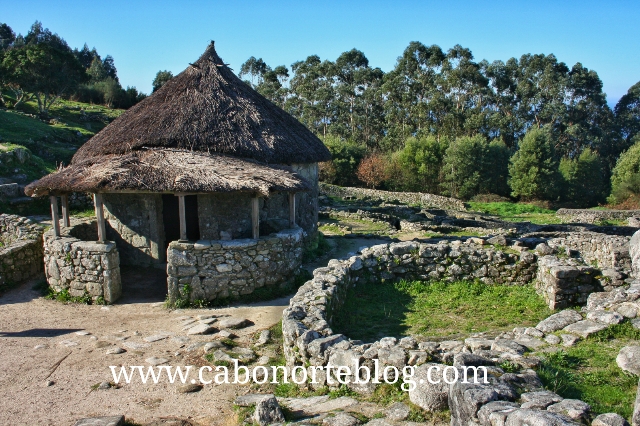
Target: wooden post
255,217
292,210
183,218
97,202
65,210
55,219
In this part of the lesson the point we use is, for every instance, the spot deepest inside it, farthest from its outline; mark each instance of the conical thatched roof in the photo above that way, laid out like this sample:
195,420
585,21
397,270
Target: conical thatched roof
203,131
208,108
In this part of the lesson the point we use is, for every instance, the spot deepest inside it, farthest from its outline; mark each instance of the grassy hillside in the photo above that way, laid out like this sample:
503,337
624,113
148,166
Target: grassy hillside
55,141
31,147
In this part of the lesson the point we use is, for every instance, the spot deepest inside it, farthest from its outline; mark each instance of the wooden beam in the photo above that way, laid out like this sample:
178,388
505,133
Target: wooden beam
292,210
55,219
255,217
65,210
97,203
183,218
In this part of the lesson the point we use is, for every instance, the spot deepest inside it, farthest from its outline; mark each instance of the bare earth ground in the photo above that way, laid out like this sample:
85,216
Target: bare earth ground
35,334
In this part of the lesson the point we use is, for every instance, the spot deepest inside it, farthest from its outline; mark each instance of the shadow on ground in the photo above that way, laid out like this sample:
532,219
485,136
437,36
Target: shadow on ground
143,285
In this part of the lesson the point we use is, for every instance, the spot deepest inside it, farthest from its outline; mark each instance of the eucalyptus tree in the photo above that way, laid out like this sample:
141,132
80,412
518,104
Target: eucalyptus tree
313,94
627,112
413,102
357,86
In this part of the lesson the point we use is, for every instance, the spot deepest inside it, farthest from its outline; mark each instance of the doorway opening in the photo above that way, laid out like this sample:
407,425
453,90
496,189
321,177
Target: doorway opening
171,218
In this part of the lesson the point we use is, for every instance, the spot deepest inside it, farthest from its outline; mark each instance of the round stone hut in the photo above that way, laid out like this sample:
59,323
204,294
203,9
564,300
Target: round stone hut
205,175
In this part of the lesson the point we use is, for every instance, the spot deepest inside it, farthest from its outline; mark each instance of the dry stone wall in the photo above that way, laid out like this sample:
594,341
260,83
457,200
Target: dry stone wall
215,269
565,282
601,250
82,267
594,216
20,250
306,323
419,198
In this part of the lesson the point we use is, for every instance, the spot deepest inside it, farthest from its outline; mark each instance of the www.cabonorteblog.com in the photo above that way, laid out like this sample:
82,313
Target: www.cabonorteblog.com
334,375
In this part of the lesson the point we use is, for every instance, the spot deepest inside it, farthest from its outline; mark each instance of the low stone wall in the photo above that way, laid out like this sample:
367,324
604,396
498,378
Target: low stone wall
565,282
20,250
419,198
503,398
82,267
603,251
215,269
593,216
306,322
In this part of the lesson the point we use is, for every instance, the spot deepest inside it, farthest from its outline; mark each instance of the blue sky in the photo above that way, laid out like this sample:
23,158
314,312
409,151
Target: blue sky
144,37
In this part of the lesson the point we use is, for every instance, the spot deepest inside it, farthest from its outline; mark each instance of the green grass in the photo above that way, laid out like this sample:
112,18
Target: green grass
517,212
436,309
588,371
358,226
58,139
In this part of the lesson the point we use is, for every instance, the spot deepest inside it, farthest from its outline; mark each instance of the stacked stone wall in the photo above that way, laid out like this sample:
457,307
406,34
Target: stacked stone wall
565,282
20,250
603,251
215,269
412,198
306,323
82,267
594,216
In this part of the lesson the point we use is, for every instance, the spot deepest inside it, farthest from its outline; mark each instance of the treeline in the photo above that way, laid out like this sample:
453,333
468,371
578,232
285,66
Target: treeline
441,122
42,66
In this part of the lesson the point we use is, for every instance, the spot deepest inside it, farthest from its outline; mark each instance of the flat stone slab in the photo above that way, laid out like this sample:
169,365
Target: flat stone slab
155,338
115,351
208,321
68,343
200,329
101,421
234,323
569,340
340,419
628,359
250,399
136,345
559,321
317,404
610,419
532,343
156,361
605,317
585,328
508,346
82,333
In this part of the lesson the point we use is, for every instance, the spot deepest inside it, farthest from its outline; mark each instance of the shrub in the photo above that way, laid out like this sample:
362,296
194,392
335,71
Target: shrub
625,179
584,180
473,166
417,166
533,170
372,170
346,157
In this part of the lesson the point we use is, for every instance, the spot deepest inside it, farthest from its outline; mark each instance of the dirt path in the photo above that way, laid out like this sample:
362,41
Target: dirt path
35,334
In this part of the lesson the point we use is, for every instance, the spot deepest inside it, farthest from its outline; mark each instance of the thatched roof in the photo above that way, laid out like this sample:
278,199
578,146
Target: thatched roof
168,170
208,108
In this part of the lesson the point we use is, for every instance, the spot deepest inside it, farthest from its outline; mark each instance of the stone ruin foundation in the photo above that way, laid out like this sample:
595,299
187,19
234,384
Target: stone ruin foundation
506,398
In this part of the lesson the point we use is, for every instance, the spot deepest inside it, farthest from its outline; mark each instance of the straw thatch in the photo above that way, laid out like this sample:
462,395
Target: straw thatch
168,170
208,108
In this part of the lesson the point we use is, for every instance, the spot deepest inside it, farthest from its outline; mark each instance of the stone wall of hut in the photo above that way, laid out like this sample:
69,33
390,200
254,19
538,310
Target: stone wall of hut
215,269
134,223
307,202
82,267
